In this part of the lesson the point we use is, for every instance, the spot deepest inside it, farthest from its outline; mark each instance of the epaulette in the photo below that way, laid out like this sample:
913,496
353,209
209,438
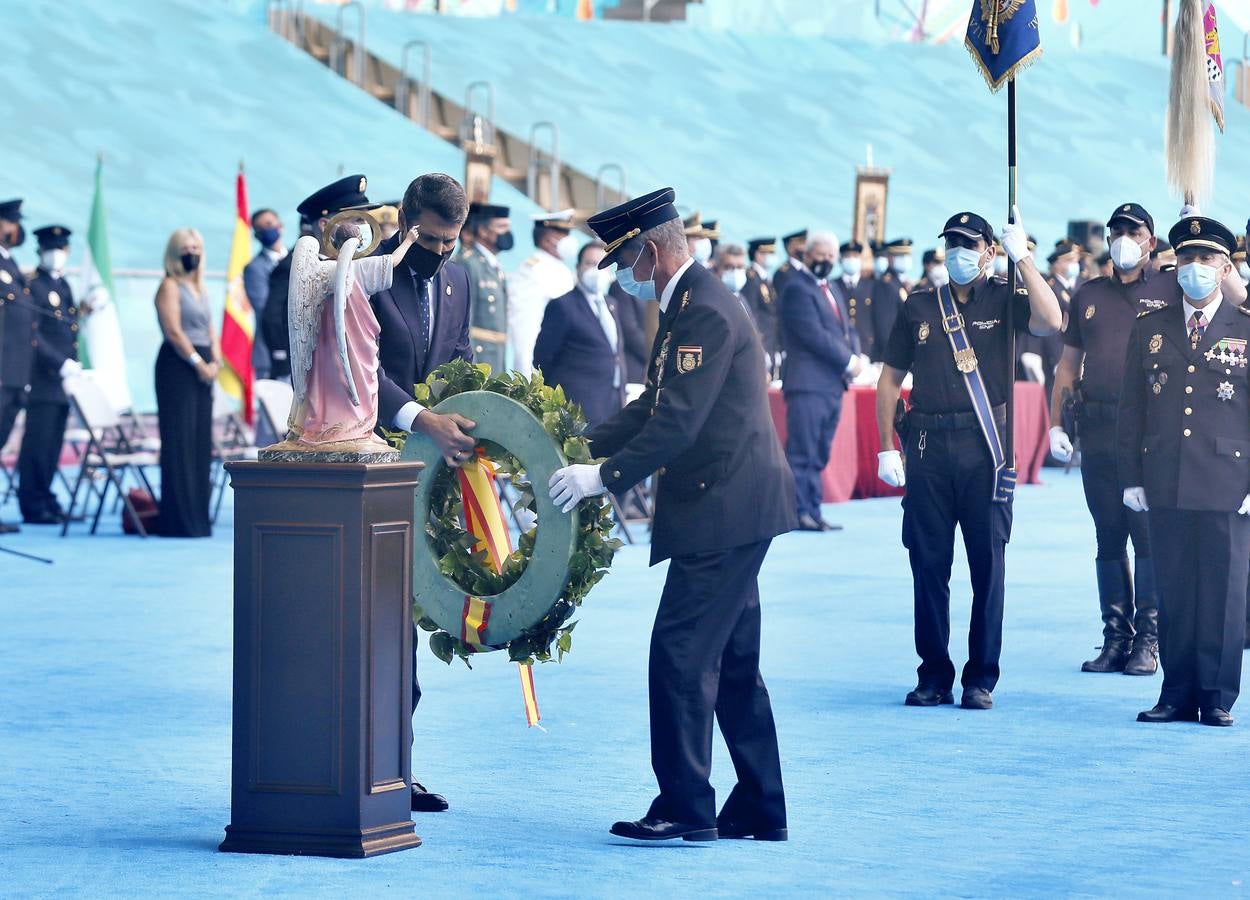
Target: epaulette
1151,312
1167,268
531,262
919,291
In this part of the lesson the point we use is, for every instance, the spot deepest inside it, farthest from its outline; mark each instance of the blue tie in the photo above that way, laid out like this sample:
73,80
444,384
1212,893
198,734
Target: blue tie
422,288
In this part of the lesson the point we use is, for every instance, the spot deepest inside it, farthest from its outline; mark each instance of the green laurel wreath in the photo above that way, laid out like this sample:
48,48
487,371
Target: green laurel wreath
453,545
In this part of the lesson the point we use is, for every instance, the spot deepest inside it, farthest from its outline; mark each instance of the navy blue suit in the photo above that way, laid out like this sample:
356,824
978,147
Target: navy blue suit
573,352
819,346
401,351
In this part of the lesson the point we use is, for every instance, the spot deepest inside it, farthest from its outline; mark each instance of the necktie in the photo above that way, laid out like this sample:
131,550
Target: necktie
833,301
608,324
1197,326
422,289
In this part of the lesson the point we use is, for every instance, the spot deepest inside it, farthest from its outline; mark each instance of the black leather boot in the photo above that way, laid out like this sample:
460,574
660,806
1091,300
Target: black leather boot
1144,660
1116,600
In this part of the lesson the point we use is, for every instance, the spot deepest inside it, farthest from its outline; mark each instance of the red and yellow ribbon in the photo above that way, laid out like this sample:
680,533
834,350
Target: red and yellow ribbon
484,519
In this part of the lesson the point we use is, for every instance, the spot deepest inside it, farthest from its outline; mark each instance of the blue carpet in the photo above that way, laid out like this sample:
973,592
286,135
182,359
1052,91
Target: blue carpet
115,729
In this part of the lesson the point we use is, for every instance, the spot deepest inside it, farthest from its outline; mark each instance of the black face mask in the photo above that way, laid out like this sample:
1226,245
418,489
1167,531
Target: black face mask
190,261
822,269
505,242
426,263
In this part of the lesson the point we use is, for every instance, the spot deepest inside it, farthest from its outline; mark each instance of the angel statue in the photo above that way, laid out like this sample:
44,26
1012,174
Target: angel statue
334,343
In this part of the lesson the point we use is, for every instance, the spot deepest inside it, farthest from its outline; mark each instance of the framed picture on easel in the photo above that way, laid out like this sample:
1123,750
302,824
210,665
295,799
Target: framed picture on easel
872,188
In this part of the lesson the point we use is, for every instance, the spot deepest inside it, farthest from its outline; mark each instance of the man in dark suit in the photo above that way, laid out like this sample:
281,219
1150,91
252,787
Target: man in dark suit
724,492
16,326
795,244
761,299
424,319
579,346
855,288
890,290
267,228
55,346
822,355
1184,458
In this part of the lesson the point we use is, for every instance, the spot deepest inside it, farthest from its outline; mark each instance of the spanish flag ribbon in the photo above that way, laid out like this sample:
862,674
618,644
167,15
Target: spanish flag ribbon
484,519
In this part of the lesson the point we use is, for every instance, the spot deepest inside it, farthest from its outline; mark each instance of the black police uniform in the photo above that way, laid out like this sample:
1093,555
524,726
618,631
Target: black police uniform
787,269
1184,436
723,491
1100,321
55,341
857,300
950,473
761,300
17,340
890,290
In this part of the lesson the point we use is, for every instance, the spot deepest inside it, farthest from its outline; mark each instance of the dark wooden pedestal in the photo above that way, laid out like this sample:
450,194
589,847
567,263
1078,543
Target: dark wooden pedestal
322,658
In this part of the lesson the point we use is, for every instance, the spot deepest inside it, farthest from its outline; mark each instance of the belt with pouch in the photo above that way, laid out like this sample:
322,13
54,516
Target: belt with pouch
957,421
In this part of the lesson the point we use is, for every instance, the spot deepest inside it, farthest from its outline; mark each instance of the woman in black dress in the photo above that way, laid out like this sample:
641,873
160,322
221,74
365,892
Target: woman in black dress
186,367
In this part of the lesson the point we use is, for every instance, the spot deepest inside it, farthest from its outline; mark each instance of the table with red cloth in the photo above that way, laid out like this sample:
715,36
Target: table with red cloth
852,470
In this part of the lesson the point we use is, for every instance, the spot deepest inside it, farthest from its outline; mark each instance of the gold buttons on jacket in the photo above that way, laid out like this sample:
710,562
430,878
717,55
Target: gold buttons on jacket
702,486
616,473
662,471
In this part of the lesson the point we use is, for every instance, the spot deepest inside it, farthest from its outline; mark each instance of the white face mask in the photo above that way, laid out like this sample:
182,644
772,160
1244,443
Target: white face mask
1000,265
851,267
1126,253
1198,281
964,265
703,249
768,260
54,260
567,248
1073,270
1244,271
592,280
901,264
881,265
939,276
734,279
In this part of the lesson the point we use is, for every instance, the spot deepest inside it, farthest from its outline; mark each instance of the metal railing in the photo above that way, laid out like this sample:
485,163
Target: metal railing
532,185
341,45
601,189
403,87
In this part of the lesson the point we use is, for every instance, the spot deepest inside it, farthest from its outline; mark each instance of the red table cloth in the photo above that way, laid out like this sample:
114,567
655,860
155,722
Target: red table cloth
852,470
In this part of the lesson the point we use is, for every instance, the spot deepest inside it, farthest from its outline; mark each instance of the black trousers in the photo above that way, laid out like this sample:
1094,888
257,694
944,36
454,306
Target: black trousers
40,456
12,399
1114,523
950,481
705,664
184,405
1201,561
811,420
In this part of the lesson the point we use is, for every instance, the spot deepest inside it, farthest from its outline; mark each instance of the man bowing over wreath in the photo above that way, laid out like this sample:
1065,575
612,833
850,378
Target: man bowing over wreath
723,491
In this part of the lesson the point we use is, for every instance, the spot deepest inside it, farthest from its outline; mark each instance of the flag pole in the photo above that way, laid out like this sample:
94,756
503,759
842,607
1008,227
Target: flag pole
1012,178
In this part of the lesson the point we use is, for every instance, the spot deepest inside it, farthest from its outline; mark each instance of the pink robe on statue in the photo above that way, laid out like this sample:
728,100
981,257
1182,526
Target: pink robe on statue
329,415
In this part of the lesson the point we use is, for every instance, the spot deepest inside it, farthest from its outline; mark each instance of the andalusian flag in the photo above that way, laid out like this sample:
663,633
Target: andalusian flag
100,341
238,321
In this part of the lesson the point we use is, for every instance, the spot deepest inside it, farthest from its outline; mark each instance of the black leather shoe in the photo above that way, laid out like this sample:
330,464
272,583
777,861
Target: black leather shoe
6,528
829,526
424,801
977,698
807,523
927,695
1162,712
1217,716
729,830
44,517
650,829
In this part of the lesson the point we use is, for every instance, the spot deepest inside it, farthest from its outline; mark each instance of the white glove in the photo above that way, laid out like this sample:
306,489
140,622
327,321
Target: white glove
890,468
572,484
1015,240
70,368
1135,499
854,366
1244,509
1061,447
1033,367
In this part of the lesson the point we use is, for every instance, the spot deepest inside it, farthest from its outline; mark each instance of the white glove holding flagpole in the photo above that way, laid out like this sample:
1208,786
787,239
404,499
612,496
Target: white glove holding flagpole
1015,239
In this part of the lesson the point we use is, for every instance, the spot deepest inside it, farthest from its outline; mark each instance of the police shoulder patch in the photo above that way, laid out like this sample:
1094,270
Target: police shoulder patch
689,358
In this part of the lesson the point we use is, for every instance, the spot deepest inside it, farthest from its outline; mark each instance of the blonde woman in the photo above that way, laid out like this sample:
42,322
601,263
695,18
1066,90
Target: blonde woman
186,367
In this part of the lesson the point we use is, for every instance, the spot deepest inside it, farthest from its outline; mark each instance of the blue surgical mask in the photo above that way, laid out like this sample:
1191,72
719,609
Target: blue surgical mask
963,264
639,290
1198,281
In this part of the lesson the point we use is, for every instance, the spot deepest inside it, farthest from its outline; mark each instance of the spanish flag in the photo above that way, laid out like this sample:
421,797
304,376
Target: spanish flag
238,320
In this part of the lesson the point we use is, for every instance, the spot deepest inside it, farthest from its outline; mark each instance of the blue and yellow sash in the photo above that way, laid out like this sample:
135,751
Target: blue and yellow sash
966,362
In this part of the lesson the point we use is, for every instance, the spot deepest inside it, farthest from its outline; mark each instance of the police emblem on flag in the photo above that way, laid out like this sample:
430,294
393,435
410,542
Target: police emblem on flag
689,358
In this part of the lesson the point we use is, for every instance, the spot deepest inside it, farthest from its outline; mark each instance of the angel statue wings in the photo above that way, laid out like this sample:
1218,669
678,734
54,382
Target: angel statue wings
334,342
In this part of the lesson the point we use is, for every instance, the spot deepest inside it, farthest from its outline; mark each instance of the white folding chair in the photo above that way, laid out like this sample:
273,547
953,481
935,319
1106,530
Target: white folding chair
273,402
108,454
232,440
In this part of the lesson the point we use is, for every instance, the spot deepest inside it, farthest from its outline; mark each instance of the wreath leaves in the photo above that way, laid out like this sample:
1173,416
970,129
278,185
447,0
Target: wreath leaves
552,637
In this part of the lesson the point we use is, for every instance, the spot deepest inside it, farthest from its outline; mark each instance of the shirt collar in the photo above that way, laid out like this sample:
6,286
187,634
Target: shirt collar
669,288
4,252
759,270
488,256
798,264
1208,311
273,255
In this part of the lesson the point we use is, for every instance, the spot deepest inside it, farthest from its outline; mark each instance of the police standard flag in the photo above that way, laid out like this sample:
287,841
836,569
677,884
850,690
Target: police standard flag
1003,38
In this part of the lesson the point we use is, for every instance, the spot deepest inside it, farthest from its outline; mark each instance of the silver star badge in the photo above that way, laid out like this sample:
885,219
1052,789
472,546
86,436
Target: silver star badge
1225,391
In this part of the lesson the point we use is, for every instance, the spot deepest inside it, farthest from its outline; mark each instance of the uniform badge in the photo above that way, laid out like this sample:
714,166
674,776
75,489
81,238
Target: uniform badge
1089,312
963,220
902,294
1156,343
1195,227
923,334
449,290
689,358
54,299
6,277
1225,391
1228,351
1126,207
